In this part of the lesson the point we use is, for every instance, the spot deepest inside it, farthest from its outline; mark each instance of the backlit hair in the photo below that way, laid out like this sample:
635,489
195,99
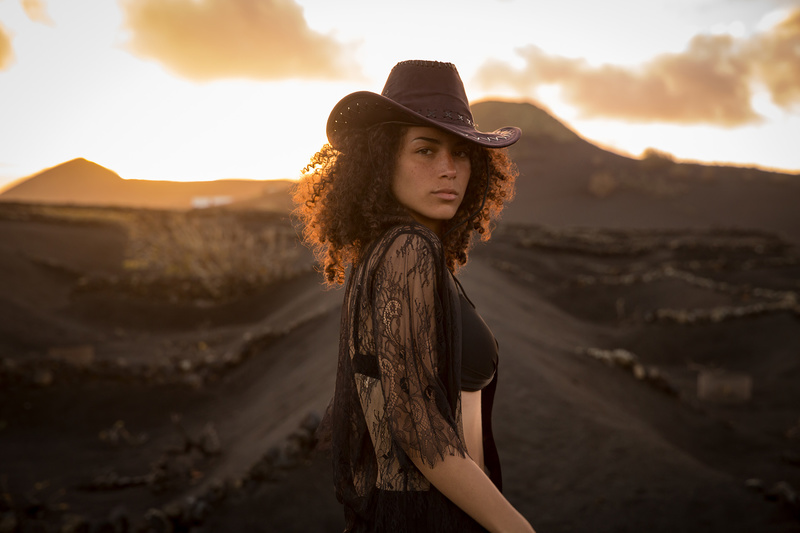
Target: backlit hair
344,199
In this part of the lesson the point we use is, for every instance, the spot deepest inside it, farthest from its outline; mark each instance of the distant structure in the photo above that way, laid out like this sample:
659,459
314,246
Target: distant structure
203,202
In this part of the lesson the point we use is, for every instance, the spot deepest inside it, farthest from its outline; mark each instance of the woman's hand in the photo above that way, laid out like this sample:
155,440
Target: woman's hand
463,482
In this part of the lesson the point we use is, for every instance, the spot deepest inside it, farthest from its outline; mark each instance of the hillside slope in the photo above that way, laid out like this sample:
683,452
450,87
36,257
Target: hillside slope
566,181
82,182
192,412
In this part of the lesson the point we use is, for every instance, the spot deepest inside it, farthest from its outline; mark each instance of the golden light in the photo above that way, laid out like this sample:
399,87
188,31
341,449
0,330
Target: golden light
73,88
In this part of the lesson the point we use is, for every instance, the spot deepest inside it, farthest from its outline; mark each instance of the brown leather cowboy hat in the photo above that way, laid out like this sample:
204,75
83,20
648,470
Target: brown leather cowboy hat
427,93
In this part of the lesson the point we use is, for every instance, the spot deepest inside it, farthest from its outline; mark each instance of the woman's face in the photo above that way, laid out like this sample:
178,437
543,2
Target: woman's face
431,175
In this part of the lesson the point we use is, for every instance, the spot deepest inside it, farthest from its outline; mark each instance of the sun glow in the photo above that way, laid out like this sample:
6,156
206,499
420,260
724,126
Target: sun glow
72,86
74,91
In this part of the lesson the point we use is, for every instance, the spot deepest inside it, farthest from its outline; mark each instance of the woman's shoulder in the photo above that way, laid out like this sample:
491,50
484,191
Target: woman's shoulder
409,237
407,243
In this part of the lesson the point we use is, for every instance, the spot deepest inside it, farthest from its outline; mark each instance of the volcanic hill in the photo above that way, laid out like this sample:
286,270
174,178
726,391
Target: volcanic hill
565,181
83,182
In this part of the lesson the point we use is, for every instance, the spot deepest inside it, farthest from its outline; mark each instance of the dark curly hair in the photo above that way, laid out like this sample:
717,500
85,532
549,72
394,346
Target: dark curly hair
344,200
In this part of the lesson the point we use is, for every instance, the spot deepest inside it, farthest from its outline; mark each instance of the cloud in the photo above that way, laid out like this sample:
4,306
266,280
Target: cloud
710,82
36,11
776,57
211,39
6,52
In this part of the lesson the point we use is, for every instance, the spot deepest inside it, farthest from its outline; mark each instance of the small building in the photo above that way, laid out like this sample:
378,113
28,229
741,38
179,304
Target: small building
203,202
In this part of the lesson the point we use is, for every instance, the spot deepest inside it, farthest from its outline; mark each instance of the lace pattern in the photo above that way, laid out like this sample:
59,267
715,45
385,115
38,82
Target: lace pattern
397,388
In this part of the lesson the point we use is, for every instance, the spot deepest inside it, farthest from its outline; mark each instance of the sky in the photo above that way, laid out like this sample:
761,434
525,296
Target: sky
217,89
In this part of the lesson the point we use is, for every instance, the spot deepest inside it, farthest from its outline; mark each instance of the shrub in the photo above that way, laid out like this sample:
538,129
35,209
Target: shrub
213,255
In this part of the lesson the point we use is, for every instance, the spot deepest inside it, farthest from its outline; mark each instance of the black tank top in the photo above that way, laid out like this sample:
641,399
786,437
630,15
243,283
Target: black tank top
478,347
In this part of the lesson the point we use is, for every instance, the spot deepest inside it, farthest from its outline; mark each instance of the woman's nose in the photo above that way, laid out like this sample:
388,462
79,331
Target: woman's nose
448,166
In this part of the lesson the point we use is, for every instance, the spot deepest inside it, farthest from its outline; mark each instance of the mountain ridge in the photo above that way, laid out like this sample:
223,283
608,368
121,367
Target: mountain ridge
534,121
80,181
564,181
83,182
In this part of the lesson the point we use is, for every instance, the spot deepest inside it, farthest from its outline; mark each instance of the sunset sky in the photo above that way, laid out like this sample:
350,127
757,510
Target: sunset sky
212,89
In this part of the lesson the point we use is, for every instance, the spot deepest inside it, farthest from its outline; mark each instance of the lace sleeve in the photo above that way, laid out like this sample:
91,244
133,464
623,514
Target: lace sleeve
407,325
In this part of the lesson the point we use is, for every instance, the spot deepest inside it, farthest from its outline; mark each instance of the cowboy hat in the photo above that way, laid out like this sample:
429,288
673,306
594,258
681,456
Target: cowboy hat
425,93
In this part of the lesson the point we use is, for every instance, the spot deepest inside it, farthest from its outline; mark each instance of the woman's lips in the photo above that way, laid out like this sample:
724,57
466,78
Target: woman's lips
446,194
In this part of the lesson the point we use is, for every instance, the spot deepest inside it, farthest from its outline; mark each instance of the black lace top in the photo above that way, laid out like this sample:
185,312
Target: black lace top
398,388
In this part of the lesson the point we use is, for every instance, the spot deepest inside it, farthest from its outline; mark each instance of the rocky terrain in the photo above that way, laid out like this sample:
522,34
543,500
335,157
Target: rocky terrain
648,379
163,368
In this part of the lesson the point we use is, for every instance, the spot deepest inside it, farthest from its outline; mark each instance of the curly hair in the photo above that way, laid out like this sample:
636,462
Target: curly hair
344,200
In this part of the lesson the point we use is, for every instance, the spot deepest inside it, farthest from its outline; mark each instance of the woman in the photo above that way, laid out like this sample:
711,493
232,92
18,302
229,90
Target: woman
397,195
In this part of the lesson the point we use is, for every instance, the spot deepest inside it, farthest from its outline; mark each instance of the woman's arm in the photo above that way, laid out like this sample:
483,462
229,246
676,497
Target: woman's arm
406,324
462,481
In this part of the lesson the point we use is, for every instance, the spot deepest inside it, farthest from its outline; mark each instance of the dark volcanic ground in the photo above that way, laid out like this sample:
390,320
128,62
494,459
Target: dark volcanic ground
197,416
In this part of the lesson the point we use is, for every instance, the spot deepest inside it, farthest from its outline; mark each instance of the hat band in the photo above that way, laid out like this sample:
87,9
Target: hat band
446,114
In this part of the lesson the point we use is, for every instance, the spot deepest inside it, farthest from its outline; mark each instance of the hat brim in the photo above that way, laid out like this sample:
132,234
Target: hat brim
363,109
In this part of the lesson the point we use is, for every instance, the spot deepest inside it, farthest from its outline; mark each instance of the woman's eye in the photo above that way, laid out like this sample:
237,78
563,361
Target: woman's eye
462,153
425,151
